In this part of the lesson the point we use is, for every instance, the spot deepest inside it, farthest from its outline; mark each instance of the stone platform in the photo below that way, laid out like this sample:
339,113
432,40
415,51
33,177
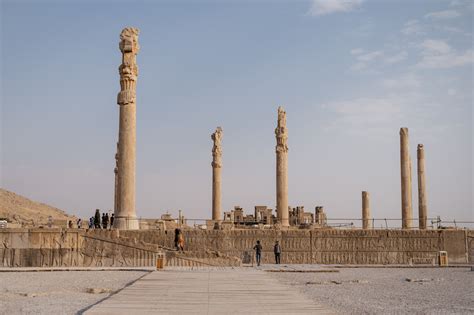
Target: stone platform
208,291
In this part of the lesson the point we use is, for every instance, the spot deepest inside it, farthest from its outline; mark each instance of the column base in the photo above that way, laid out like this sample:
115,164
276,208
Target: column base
126,223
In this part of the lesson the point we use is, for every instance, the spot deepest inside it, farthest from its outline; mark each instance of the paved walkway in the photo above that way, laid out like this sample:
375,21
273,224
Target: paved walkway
208,291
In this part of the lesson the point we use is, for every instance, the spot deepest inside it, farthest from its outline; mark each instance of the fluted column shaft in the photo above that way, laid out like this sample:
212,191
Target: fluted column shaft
281,134
366,223
422,203
405,165
216,174
125,216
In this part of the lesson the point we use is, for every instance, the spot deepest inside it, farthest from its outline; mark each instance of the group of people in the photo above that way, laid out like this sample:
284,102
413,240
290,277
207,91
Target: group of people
258,252
101,222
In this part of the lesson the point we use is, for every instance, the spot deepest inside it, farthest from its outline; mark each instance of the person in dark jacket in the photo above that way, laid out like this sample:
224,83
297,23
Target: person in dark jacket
176,238
258,252
97,219
277,252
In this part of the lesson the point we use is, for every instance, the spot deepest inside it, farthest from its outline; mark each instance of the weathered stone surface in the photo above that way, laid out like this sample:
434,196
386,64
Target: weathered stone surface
405,165
366,223
216,174
281,149
422,203
54,248
125,214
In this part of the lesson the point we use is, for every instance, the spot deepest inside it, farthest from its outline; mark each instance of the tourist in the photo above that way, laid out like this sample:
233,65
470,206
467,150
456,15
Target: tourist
176,238
91,222
258,252
181,241
105,221
70,224
97,219
277,251
79,223
112,221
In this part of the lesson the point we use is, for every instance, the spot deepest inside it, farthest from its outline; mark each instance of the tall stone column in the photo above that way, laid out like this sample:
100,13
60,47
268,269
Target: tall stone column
366,224
281,134
125,216
422,204
405,164
116,189
216,173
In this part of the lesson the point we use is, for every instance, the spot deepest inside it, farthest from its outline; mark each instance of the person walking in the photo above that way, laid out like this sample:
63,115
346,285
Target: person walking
277,252
181,241
258,252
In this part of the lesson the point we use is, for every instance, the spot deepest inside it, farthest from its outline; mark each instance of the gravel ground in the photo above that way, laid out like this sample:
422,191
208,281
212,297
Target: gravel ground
58,292
387,291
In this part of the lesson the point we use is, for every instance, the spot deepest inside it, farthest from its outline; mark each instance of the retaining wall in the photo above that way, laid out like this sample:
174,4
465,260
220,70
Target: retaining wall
70,247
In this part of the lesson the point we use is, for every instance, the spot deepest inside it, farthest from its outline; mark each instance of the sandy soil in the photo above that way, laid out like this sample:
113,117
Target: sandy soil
389,290
58,292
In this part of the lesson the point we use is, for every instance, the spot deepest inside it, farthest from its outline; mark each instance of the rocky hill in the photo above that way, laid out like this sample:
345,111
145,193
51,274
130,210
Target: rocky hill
24,212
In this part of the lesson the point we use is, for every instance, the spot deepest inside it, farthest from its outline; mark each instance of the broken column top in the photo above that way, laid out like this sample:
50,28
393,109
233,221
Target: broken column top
404,131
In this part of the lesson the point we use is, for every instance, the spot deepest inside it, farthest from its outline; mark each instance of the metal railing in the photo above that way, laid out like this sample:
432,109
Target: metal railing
353,223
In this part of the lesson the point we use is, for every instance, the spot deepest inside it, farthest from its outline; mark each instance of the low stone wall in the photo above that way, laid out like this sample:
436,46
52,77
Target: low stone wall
70,247
325,246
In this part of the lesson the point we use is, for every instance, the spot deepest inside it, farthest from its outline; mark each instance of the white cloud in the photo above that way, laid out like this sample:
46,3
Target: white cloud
323,7
361,114
437,54
404,82
363,59
441,15
397,57
434,46
370,56
413,27
357,51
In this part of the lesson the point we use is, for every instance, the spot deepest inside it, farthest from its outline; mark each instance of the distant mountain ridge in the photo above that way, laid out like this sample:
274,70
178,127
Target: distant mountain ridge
27,213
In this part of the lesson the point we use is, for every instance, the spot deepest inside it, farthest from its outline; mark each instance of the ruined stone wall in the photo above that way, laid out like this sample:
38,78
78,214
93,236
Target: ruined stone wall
97,248
71,248
325,246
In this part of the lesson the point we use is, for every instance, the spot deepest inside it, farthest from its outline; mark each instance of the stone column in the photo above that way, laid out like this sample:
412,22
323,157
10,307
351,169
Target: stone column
216,173
405,163
281,134
366,223
116,189
125,216
422,205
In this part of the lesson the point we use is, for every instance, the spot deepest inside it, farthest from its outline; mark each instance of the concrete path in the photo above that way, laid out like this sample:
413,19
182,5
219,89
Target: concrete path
208,291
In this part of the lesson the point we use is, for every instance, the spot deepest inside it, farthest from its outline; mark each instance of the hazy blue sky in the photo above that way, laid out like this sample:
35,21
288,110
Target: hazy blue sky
349,73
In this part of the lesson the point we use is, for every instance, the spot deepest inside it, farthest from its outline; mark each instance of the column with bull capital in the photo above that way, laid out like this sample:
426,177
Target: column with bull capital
125,214
216,173
281,149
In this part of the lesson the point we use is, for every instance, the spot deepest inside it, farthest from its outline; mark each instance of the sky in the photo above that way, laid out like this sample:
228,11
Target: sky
349,74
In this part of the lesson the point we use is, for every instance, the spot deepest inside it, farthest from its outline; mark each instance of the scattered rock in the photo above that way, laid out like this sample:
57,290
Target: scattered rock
418,280
98,290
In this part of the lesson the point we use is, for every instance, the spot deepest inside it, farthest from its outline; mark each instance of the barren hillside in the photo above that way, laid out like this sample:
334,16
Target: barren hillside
21,210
